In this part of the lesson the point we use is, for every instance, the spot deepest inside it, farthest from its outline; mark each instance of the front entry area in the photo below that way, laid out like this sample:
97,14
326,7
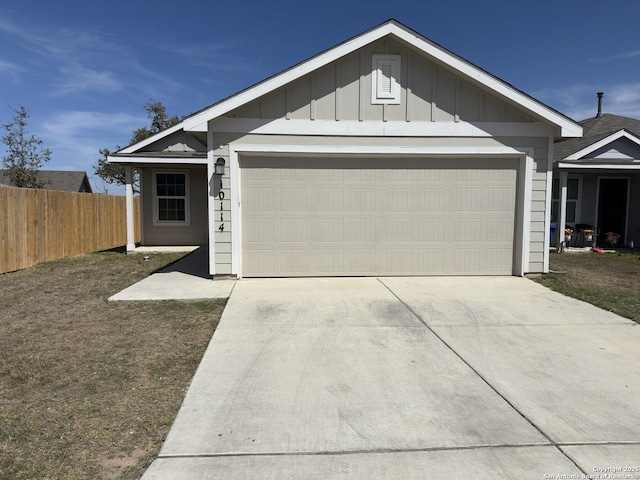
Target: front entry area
612,207
360,216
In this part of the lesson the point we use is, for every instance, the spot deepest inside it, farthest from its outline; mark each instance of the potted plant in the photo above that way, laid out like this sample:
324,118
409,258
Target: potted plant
567,234
612,238
588,234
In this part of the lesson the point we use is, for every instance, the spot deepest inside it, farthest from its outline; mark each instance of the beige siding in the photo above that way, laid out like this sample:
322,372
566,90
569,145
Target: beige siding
194,234
342,91
222,216
538,195
180,142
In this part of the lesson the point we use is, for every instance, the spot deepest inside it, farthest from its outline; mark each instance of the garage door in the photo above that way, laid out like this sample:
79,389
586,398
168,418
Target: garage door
362,216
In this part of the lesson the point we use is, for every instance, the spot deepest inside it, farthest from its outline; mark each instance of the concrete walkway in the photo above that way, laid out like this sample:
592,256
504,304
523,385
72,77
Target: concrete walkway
408,378
186,279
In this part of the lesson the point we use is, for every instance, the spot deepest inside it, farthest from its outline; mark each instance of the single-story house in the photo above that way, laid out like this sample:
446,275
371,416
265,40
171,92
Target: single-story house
597,181
384,155
64,180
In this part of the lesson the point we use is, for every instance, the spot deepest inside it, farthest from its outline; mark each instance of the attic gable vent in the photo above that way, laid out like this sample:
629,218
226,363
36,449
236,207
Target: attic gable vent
385,87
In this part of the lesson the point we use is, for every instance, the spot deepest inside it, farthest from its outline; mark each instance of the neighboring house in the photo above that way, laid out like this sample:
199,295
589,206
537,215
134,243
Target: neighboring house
599,178
384,155
68,181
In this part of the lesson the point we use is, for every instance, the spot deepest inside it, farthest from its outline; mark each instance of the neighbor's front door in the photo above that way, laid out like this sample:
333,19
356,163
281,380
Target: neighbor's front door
612,208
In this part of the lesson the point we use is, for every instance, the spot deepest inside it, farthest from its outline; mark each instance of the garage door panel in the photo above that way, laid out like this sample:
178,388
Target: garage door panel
330,230
355,216
362,230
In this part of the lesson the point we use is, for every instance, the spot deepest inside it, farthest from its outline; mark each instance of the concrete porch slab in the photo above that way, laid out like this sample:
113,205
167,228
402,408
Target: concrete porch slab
186,279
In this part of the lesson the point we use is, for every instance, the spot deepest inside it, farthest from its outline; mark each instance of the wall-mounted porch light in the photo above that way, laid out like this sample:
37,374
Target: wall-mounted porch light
220,166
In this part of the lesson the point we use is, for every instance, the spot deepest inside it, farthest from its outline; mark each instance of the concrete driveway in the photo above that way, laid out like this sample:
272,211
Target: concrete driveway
409,378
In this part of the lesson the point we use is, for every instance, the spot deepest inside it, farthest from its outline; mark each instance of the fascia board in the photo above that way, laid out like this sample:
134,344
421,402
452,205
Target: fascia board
568,128
155,160
287,76
596,146
598,166
153,138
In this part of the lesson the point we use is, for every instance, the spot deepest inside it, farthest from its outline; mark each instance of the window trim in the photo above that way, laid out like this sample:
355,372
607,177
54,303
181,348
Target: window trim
389,98
578,200
187,214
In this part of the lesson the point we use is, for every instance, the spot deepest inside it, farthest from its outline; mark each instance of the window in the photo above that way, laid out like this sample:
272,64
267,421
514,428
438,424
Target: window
573,197
171,198
385,87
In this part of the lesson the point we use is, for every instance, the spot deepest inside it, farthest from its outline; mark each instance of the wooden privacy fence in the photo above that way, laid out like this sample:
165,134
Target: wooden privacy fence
43,225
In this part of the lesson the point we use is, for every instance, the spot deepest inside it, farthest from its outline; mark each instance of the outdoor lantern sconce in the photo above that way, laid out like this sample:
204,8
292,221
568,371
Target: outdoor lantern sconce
220,166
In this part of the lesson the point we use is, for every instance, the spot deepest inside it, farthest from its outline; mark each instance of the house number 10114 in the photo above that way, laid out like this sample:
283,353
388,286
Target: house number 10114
221,196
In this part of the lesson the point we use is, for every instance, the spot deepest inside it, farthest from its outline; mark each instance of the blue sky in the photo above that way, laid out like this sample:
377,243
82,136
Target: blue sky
85,69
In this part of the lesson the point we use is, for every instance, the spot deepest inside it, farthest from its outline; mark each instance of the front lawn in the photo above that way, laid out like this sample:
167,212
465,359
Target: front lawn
89,388
607,280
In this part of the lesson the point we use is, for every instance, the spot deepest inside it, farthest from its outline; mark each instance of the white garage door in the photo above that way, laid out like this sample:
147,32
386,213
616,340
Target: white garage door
392,216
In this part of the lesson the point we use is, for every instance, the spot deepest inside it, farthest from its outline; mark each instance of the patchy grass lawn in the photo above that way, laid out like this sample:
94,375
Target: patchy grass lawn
608,280
89,388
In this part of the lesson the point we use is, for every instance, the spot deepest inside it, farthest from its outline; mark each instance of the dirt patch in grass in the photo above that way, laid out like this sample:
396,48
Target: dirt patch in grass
89,388
609,281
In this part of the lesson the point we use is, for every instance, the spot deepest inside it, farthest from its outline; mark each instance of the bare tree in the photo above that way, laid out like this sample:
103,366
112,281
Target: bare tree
25,153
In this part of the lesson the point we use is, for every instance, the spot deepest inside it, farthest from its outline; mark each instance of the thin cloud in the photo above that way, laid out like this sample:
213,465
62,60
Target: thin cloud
79,58
76,137
10,70
74,122
618,56
214,56
79,78
580,101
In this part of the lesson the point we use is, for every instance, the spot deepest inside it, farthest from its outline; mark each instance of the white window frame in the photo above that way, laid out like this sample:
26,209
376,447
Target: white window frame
378,96
156,198
578,201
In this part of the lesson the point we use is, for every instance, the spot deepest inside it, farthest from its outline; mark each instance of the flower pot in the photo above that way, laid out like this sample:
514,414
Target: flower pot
589,238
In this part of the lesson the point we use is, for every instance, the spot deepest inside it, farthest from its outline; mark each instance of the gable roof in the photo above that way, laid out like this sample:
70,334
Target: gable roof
198,121
597,131
65,180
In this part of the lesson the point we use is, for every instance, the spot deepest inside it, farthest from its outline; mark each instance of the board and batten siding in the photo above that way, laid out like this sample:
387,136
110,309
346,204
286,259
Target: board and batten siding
221,216
342,91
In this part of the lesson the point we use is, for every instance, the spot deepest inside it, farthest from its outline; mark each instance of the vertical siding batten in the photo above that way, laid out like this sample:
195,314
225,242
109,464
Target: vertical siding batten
409,83
337,94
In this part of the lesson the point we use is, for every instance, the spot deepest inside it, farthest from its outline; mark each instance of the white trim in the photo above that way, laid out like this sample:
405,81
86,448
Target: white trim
148,141
131,242
526,167
236,216
568,128
379,150
160,160
379,97
187,199
562,220
547,208
525,154
599,166
211,224
142,205
578,201
602,143
347,128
